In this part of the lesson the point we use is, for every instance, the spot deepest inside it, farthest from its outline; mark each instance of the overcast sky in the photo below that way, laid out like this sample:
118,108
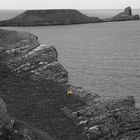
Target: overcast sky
76,4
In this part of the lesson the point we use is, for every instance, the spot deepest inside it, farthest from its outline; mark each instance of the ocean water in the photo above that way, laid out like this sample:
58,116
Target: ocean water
106,13
102,57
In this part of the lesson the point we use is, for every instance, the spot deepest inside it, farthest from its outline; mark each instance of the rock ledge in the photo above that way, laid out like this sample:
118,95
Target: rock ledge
22,53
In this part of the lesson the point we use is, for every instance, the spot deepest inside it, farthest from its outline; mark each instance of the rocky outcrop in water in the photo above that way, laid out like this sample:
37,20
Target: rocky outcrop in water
123,16
127,11
49,17
62,17
23,54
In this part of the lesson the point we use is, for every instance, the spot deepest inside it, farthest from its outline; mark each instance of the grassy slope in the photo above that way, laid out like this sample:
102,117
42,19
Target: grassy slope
49,17
39,104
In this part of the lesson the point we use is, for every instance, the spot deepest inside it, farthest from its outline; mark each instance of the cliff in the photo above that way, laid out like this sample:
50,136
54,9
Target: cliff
24,55
49,17
123,16
32,86
41,99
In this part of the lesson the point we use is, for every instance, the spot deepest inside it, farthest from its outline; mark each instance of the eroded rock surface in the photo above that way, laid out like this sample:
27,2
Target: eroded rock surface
128,11
22,53
97,118
105,119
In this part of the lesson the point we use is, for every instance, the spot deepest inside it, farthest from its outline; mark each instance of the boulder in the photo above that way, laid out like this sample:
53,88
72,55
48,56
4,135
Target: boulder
22,53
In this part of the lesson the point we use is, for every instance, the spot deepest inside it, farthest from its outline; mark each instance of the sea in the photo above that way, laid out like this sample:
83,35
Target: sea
101,57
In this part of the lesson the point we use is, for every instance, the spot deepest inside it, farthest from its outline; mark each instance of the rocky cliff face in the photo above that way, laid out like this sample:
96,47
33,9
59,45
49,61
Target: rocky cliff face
23,54
49,17
123,16
105,119
83,115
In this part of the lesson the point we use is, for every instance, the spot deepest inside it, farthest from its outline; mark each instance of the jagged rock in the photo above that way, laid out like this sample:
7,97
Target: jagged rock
18,42
22,52
128,11
53,71
99,119
49,17
123,16
107,119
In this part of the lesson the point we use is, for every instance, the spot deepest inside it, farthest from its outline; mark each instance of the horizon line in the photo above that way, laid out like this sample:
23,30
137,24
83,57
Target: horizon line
69,8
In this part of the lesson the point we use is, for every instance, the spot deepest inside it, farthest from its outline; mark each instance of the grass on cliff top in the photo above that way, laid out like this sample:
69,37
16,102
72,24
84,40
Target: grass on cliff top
39,104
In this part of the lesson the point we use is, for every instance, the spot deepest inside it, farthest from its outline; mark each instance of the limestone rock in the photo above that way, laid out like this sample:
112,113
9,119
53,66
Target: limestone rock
128,11
52,71
22,52
107,119
17,42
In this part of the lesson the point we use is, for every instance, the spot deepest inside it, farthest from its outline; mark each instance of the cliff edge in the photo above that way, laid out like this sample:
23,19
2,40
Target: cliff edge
31,85
23,54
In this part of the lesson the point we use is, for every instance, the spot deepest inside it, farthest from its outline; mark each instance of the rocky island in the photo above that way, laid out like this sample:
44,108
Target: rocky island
62,17
49,17
123,16
33,85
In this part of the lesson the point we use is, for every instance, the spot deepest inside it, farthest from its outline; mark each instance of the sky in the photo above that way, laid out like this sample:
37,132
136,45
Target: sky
71,4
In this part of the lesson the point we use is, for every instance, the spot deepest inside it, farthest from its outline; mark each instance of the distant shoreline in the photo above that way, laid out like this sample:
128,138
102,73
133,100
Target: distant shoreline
53,17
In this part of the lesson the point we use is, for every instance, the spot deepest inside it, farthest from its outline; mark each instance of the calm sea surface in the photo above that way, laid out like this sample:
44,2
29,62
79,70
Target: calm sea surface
102,57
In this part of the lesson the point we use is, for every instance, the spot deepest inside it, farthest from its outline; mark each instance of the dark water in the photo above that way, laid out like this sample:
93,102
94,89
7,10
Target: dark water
102,57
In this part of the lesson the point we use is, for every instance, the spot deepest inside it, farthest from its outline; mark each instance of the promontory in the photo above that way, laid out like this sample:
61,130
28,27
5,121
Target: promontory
49,17
62,17
123,16
34,104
